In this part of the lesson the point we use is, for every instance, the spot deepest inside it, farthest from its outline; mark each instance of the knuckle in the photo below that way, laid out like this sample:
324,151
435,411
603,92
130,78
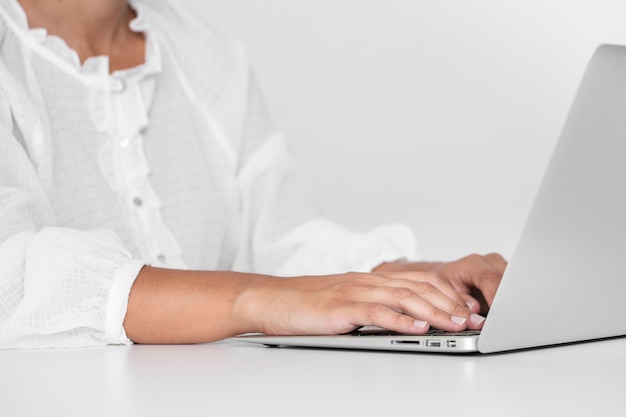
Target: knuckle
426,288
475,259
439,315
495,256
459,310
497,261
403,293
431,279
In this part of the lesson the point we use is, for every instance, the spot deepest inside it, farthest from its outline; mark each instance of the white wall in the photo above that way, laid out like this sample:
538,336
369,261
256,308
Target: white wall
440,114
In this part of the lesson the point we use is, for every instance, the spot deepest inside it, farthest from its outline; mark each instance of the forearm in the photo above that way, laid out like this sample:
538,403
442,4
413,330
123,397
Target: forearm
171,306
168,306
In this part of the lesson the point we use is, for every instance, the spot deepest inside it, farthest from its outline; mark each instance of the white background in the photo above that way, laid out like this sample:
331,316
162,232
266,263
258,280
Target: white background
439,114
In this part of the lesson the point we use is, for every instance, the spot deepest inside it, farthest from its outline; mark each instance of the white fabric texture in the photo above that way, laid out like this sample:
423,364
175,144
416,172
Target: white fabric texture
174,163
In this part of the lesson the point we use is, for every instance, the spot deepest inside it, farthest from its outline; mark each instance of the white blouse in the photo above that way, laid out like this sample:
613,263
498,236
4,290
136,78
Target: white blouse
174,163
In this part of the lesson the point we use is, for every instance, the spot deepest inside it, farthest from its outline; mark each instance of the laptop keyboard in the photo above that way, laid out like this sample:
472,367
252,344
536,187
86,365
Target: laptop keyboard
431,332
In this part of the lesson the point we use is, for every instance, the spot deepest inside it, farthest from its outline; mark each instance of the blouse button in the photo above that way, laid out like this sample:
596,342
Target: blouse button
124,142
137,201
162,258
117,85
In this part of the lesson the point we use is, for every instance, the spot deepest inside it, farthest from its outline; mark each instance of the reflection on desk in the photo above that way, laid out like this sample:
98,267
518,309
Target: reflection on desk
230,378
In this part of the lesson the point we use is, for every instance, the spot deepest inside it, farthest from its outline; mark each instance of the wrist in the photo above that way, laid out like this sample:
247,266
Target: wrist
253,304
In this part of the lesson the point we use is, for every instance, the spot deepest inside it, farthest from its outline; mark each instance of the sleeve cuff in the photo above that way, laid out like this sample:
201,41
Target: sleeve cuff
322,247
118,302
389,243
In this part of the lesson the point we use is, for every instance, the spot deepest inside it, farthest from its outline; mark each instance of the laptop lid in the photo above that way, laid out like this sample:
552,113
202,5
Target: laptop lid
566,280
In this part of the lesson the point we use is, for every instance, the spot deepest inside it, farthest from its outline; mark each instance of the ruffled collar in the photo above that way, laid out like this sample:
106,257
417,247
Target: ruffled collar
97,65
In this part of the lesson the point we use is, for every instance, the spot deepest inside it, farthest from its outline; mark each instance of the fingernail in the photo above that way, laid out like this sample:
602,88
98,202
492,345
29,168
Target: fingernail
458,320
420,324
476,319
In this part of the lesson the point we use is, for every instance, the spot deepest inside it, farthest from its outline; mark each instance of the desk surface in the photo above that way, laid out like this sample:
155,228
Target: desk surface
231,378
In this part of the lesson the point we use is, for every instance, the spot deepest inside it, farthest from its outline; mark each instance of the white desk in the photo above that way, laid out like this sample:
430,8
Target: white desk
230,378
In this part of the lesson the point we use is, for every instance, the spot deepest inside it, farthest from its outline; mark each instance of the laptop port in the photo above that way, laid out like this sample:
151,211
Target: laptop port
433,343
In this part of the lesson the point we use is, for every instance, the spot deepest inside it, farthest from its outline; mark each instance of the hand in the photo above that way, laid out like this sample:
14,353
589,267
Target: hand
475,277
407,302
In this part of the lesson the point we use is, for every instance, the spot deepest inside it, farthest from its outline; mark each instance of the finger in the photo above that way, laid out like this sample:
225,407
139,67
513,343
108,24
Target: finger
374,314
488,286
472,303
486,274
424,302
431,278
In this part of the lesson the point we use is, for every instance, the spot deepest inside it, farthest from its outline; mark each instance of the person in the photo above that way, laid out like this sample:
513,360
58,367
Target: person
146,197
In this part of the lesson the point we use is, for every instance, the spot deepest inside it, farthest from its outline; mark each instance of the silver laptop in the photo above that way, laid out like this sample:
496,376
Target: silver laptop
566,281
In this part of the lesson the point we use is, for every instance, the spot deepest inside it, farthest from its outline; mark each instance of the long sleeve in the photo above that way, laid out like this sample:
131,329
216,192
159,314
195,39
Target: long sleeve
58,286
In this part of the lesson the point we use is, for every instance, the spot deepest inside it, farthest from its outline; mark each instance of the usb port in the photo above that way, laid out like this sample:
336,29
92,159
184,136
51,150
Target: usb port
451,343
433,343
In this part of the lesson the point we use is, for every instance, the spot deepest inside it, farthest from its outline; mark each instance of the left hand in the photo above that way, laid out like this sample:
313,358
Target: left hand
475,277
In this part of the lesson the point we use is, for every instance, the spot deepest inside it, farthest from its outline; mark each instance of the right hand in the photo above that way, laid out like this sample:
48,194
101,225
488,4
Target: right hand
406,302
